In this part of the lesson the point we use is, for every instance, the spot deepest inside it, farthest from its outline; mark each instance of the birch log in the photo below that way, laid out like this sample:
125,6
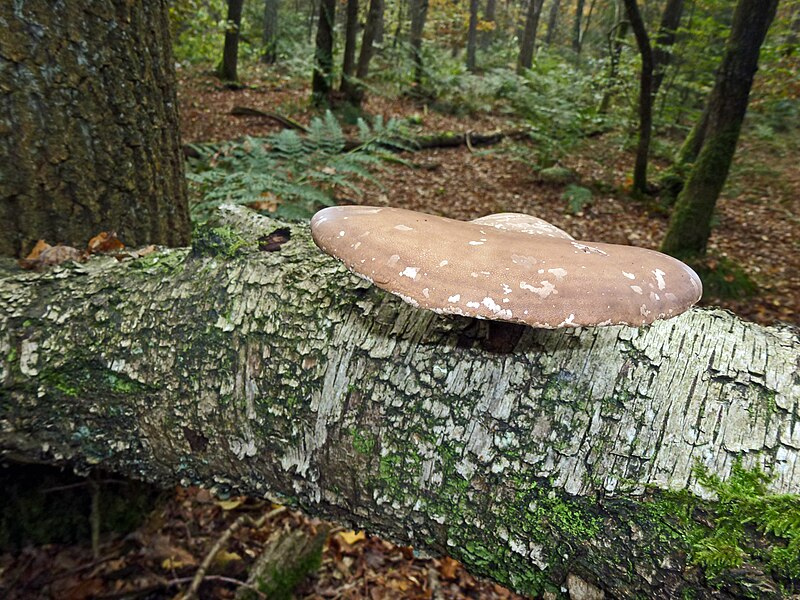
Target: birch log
266,368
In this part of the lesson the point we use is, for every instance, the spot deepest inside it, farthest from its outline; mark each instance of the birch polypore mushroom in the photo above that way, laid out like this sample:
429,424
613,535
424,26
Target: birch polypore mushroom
480,269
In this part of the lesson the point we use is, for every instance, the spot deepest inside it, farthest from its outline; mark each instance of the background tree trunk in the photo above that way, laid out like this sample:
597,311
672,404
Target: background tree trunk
84,151
270,39
662,52
576,27
419,13
230,53
490,16
350,43
616,38
373,25
552,21
472,34
280,374
645,97
718,134
323,54
525,58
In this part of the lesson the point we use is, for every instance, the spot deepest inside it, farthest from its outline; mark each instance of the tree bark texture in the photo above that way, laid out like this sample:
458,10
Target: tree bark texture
88,125
525,58
373,25
690,224
645,97
321,81
270,34
616,40
280,374
228,68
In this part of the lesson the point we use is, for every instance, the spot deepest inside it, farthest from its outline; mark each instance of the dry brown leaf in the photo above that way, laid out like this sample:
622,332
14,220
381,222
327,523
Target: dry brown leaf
105,241
40,247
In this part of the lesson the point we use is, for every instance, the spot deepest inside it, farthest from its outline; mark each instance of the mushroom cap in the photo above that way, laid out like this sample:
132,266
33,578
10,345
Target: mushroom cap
471,269
523,224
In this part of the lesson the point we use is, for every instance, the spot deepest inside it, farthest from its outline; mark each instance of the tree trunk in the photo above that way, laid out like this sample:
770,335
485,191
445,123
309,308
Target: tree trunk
270,39
280,374
230,53
472,34
662,52
525,58
88,125
690,225
323,54
419,13
616,38
645,97
350,43
552,21
369,39
489,16
576,27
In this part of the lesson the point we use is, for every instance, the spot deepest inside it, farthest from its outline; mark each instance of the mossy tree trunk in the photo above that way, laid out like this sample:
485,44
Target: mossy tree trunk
350,42
88,125
717,133
570,458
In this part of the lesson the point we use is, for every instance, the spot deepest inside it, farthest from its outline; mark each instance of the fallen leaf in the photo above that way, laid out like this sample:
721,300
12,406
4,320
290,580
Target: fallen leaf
40,247
230,504
105,241
351,537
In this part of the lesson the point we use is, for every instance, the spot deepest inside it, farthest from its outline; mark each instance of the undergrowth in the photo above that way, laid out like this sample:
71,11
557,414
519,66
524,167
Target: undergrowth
291,174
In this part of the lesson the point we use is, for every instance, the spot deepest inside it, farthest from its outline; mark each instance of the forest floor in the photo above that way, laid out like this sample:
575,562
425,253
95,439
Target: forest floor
757,228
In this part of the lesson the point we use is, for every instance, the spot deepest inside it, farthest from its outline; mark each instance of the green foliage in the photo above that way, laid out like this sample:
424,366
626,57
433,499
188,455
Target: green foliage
748,524
577,198
291,172
198,28
723,279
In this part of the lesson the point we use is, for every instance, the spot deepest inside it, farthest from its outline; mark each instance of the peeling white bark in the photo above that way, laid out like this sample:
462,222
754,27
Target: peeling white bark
282,374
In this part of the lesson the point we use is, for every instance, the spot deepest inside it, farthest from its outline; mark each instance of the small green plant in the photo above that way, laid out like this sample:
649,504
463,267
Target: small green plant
748,524
291,174
577,198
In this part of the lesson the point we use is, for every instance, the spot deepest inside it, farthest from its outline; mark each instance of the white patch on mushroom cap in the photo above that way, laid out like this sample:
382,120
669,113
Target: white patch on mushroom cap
660,278
455,298
543,292
410,272
474,243
589,249
629,275
636,289
443,263
393,259
403,228
559,273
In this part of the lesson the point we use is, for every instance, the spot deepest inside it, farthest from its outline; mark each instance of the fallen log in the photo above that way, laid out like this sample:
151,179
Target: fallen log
568,462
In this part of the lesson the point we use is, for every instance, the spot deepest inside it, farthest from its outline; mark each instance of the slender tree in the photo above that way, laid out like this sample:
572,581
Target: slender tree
355,92
525,58
576,26
645,96
419,13
616,38
662,51
230,54
552,21
323,54
490,18
472,34
350,42
690,225
270,38
83,150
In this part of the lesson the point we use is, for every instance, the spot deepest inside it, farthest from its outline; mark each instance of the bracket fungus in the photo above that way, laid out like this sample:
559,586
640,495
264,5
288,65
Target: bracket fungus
505,267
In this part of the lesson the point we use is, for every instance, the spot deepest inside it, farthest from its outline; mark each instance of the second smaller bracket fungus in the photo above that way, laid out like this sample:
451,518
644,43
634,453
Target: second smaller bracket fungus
505,267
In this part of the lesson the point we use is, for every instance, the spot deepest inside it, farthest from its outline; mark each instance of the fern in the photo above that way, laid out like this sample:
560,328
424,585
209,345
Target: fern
296,173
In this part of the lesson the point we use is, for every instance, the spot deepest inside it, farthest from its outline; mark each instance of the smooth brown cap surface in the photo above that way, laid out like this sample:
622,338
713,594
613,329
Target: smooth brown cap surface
522,223
471,269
